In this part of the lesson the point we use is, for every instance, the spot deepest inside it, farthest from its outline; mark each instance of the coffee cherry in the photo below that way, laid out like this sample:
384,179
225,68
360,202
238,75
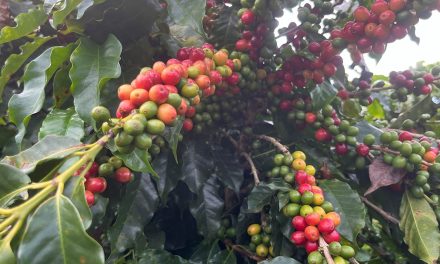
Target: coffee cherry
363,150
313,219
262,250
100,114
331,237
253,229
315,258
335,248
326,226
299,223
90,198
96,185
155,126
133,127
105,169
123,175
298,238
311,246
347,252
115,162
311,233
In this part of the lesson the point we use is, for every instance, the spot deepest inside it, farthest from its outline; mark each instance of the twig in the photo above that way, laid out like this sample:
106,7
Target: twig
242,250
246,156
324,246
275,142
383,213
253,169
387,150
353,261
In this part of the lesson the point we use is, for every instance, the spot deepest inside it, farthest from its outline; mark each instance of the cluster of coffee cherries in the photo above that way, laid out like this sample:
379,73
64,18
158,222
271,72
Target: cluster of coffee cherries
258,23
382,23
260,240
165,94
96,176
407,82
312,218
226,230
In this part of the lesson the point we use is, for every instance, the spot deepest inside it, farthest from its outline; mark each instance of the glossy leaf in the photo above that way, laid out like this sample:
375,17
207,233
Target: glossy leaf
25,24
351,108
418,222
6,254
209,252
137,161
49,148
348,204
75,191
375,110
61,87
136,210
62,123
86,4
12,179
382,174
157,256
168,172
226,27
35,78
322,95
55,234
208,208
227,167
15,61
172,134
197,166
423,106
262,194
92,66
187,16
281,260
67,7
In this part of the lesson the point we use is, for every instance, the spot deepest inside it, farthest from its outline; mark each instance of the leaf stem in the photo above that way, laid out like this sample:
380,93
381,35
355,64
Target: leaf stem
385,215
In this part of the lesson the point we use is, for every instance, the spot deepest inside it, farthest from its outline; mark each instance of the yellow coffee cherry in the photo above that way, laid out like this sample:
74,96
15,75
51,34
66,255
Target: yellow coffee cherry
254,229
299,155
310,170
298,164
262,250
318,199
319,210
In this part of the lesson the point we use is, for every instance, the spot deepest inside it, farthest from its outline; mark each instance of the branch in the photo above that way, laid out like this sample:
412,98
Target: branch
387,150
353,261
246,156
253,169
275,142
242,250
379,210
324,246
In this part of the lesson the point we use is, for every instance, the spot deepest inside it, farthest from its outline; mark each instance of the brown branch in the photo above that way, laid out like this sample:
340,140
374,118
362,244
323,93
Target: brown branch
245,155
324,246
275,142
379,210
252,165
240,249
353,261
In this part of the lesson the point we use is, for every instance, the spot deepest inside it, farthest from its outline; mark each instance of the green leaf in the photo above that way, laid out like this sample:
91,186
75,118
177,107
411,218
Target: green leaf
92,66
14,62
35,78
227,167
351,108
75,191
281,260
61,87
157,256
208,208
67,7
137,160
136,210
187,16
262,194
209,252
226,27
12,179
62,123
418,222
322,95
55,234
375,110
25,24
172,134
49,148
423,106
84,5
347,203
168,172
197,165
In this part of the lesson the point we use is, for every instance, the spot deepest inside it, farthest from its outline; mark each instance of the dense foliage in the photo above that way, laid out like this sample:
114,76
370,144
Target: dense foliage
194,131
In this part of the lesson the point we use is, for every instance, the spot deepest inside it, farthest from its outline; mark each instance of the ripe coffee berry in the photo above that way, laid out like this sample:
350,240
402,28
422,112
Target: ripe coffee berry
123,175
96,185
298,238
299,223
326,226
311,233
363,150
90,198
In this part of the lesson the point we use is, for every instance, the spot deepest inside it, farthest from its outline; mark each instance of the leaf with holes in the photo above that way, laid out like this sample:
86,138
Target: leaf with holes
62,123
347,203
382,174
92,66
55,234
26,23
418,222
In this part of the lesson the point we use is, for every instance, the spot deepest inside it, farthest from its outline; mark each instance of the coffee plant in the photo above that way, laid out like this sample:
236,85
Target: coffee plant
178,131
